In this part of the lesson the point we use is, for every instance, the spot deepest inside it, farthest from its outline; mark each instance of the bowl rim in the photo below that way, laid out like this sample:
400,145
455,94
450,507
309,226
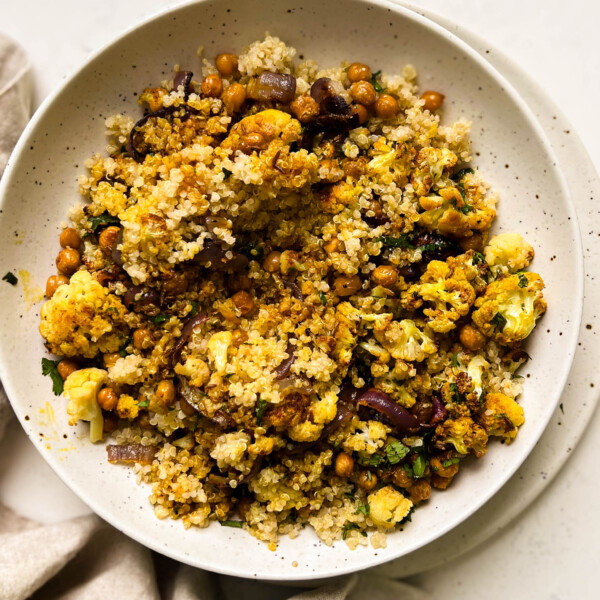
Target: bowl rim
409,12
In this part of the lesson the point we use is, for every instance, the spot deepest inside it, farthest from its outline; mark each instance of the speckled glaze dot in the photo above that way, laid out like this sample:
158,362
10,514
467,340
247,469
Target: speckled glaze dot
503,132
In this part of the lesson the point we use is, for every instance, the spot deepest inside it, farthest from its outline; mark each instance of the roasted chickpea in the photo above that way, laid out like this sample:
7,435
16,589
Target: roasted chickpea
344,465
111,359
187,408
361,111
473,242
252,141
359,72
420,491
367,480
437,466
471,338
239,337
402,479
244,302
212,86
333,245
346,286
142,338
165,392
66,367
354,167
107,240
385,275
111,422
226,64
234,97
176,285
69,238
363,92
441,483
433,100
386,106
272,262
107,398
305,108
239,281
67,261
53,282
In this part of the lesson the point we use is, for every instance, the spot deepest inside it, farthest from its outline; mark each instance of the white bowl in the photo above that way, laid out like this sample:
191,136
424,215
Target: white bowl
40,185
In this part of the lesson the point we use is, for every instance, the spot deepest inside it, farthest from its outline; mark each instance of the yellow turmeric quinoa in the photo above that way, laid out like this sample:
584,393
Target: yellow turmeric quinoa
280,303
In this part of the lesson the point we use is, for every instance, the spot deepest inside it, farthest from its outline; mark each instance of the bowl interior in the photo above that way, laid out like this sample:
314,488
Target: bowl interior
41,184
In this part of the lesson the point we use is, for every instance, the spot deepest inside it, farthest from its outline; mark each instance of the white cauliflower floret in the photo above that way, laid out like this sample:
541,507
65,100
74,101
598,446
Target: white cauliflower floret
476,369
218,347
388,507
195,369
230,448
81,389
404,340
508,250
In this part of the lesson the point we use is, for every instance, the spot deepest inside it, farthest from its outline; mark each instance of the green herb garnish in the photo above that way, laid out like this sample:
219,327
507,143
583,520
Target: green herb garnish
158,319
455,360
260,408
395,452
365,509
226,174
403,241
376,83
450,462
370,460
10,278
100,220
506,417
253,251
408,517
123,349
523,281
478,258
408,469
461,173
498,321
562,410
143,404
419,466
349,526
238,524
194,310
323,298
50,367
456,395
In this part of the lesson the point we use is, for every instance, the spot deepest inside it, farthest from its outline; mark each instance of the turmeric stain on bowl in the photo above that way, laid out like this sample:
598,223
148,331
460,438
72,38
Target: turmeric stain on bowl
32,293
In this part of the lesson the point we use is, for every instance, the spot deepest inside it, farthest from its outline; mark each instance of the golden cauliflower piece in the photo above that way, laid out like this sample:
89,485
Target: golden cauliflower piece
447,289
502,416
509,308
429,167
508,250
127,407
81,389
404,340
459,211
82,319
268,124
388,507
218,347
464,434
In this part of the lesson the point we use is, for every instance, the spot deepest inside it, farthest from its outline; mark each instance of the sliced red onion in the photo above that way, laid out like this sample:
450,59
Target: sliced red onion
116,253
131,453
343,415
321,89
148,296
348,393
294,288
131,147
283,370
272,86
183,78
186,333
439,411
399,417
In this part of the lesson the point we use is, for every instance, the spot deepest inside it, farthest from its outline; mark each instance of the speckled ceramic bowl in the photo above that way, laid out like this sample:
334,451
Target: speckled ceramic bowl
40,185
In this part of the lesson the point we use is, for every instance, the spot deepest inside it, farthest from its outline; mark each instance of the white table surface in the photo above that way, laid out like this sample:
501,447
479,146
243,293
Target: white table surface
552,550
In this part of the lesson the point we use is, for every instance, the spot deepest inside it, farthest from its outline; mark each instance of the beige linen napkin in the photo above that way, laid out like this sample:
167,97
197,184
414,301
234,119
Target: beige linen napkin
85,558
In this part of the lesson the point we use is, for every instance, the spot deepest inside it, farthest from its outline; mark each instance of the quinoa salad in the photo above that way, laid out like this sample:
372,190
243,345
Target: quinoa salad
279,302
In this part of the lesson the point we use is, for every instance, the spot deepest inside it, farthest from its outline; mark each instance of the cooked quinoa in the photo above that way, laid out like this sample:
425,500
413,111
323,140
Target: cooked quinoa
280,304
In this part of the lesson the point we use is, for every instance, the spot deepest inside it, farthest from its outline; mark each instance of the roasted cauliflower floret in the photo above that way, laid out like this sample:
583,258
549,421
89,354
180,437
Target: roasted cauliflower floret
81,389
502,416
218,347
429,167
447,290
508,250
459,211
388,507
82,319
476,370
268,124
404,340
509,308
464,434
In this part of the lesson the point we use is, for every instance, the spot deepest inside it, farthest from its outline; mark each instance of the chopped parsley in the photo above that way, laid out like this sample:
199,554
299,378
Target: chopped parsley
395,452
419,466
403,241
123,349
238,524
253,251
261,406
435,246
365,509
376,83
523,281
408,517
370,460
455,360
562,410
226,174
456,395
101,220
498,321
450,462
323,298
194,310
459,175
478,258
10,278
143,404
50,367
349,526
506,418
408,469
158,319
